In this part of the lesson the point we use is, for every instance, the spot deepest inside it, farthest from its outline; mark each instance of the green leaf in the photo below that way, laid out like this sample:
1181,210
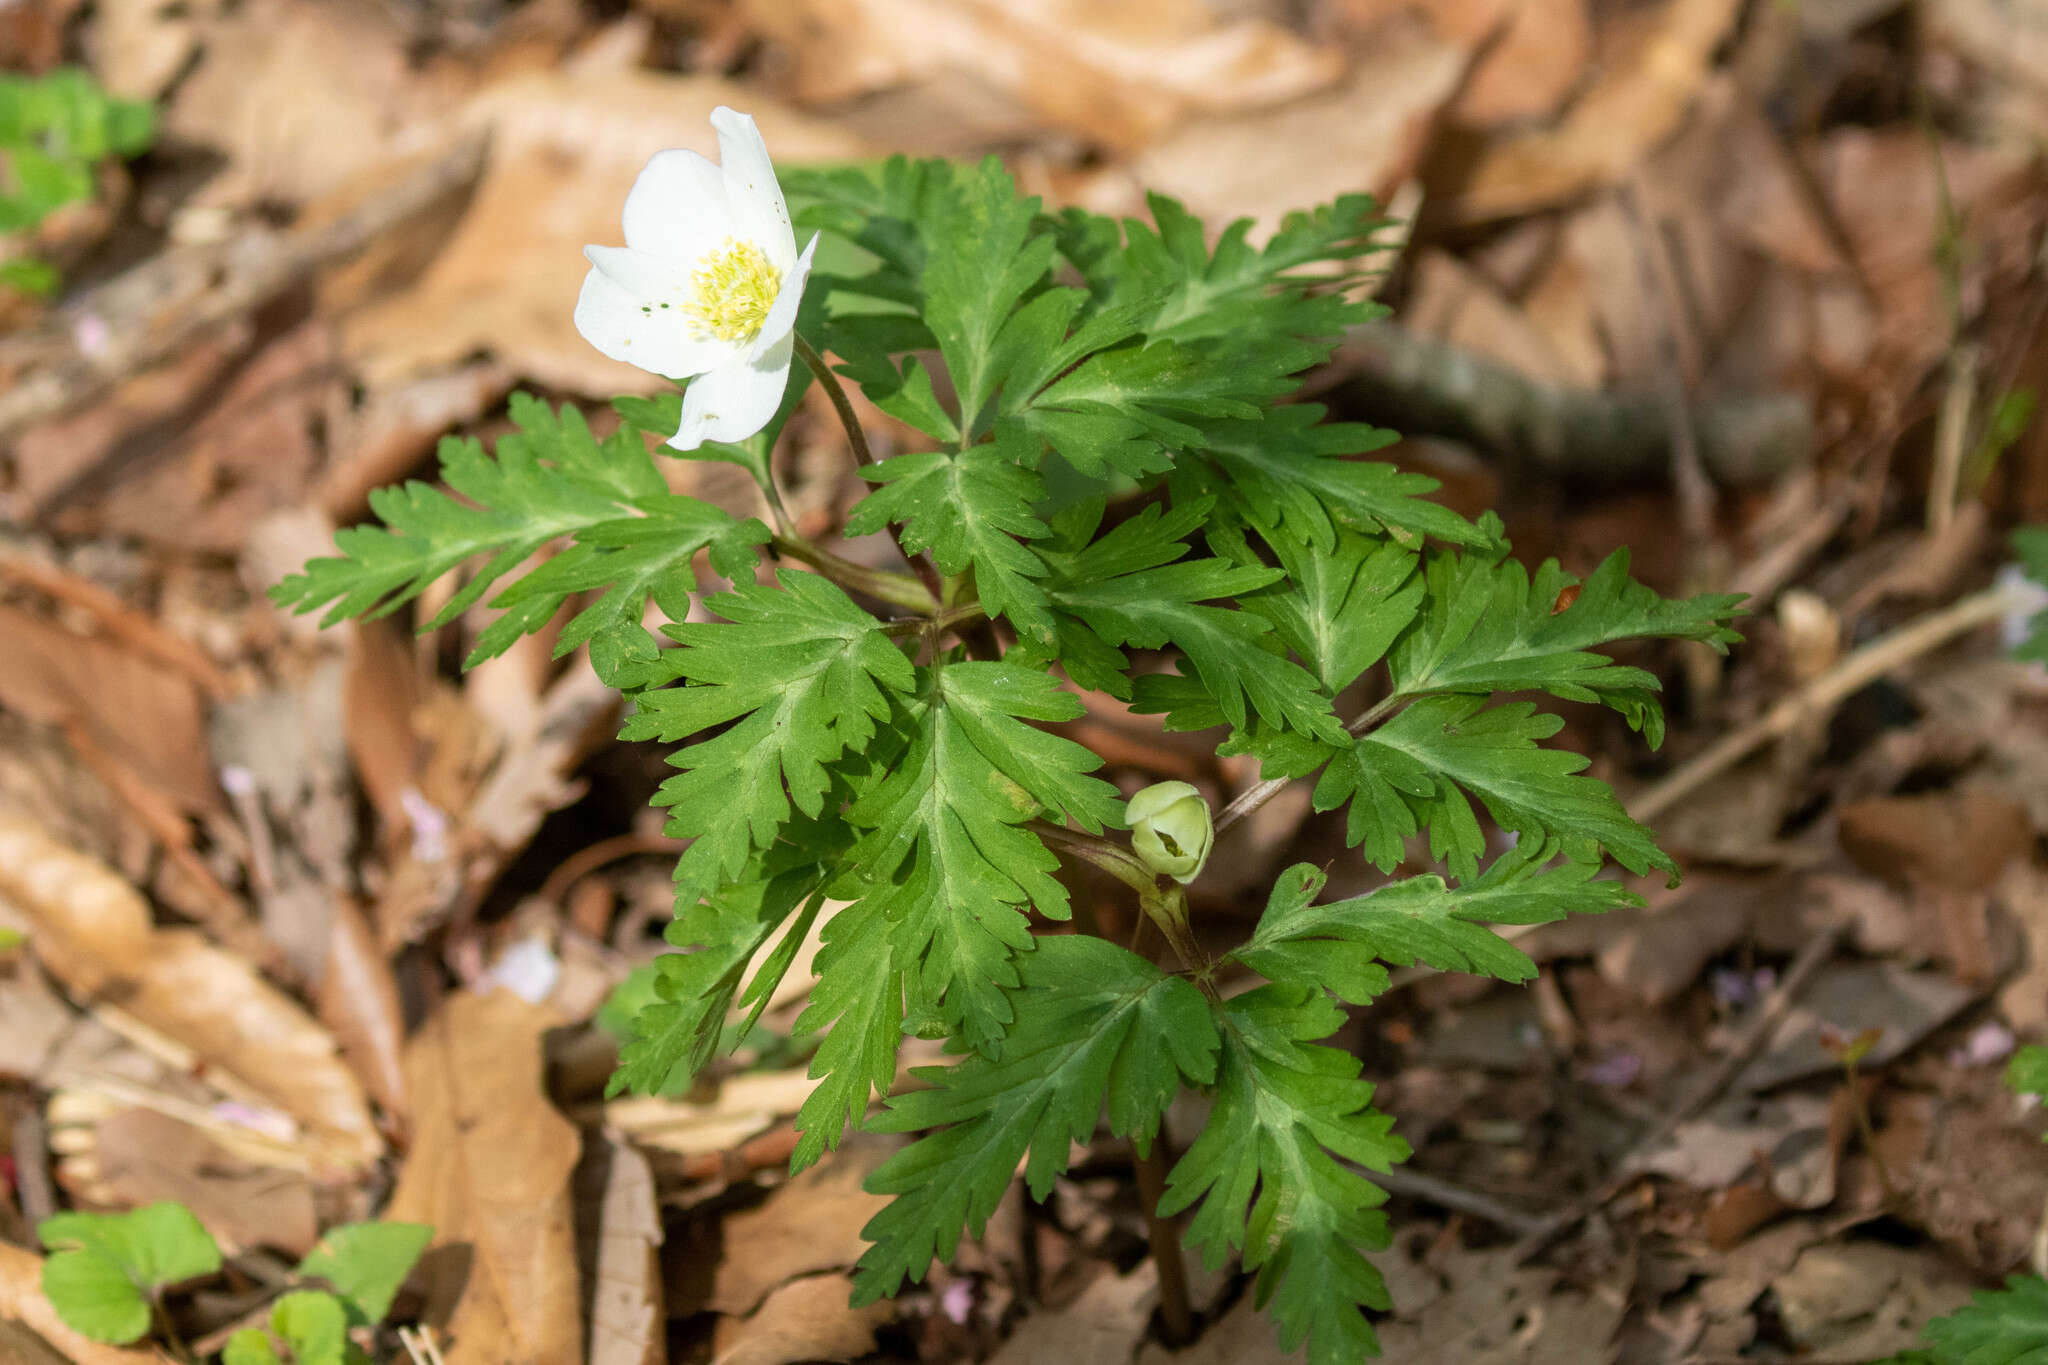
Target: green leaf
550,478
944,856
312,1326
365,1263
1243,301
983,257
2027,1072
1341,606
1422,919
673,1036
1126,409
1997,1327
859,996
1415,770
1095,1025
30,275
968,510
1488,626
1294,471
104,1268
1233,652
1269,1175
806,674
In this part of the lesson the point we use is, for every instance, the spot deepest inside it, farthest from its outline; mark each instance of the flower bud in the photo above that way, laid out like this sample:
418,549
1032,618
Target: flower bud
1171,829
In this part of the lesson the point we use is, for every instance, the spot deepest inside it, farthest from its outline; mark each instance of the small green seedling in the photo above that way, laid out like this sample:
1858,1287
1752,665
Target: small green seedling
55,130
107,1274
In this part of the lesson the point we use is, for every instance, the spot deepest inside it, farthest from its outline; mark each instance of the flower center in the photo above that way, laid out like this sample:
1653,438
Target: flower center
736,285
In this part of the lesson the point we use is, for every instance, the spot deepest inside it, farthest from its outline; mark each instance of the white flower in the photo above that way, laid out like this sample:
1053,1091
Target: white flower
1171,829
707,284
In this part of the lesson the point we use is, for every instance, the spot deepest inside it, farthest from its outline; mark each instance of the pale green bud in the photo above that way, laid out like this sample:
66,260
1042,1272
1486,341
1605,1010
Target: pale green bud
1171,829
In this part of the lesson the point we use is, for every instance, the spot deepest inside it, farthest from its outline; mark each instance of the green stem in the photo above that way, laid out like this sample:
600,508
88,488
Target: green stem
1176,1312
898,590
927,573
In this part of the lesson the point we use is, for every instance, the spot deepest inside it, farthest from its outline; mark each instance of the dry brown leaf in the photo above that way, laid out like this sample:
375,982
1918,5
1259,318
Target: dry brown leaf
143,1156
1244,1337
93,931
1365,135
618,1222
1865,1300
22,1300
358,999
1491,1311
804,1321
1539,53
811,1224
130,706
292,121
1843,1000
1449,300
565,148
489,1169
1121,73
1101,1327
379,696
1640,99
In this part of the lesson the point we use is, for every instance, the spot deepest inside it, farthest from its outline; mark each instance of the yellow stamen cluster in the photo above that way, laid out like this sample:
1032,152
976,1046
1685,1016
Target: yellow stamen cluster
735,286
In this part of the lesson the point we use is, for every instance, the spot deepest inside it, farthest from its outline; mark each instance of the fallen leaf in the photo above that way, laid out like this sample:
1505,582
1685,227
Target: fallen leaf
1640,99
1451,301
143,1157
290,121
1122,73
130,705
1366,135
489,1172
93,931
1492,1311
22,1300
618,1221
1537,54
358,999
1848,998
809,1225
1864,1300
1101,1327
1960,838
1244,1337
805,1320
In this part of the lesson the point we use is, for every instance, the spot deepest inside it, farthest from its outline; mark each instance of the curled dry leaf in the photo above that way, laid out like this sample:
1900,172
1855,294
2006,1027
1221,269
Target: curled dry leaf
1640,100
143,1157
811,1224
1366,134
489,1171
802,1321
22,1300
93,931
1123,73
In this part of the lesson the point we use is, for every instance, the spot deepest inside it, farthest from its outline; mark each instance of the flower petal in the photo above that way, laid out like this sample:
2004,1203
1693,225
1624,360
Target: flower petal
781,319
632,309
677,206
751,193
734,401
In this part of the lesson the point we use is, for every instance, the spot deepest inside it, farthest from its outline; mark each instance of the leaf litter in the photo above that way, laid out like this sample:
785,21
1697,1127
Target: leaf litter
1847,204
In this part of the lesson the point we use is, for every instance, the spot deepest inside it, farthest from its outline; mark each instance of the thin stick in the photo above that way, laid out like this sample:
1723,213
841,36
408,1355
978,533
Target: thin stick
1176,1312
1851,675
927,572
1429,1189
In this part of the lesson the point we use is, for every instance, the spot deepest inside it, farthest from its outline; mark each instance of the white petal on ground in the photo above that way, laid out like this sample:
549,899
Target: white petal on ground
751,191
677,207
735,401
620,313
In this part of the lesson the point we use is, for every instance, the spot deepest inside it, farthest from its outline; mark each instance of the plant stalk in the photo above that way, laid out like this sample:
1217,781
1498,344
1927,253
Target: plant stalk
927,573
1176,1311
897,589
